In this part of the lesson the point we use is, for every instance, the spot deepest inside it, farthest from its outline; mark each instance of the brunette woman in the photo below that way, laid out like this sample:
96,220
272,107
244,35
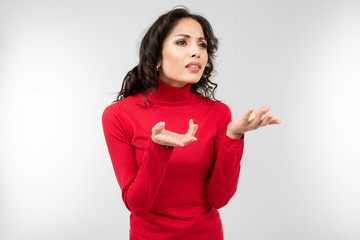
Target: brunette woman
175,150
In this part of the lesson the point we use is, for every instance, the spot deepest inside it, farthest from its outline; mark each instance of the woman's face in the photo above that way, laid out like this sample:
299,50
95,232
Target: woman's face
184,54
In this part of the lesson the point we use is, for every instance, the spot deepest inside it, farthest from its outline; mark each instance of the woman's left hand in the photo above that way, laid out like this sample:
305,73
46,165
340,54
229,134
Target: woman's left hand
251,120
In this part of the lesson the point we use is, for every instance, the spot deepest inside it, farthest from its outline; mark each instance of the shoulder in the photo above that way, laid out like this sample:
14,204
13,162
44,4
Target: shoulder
221,107
125,103
220,112
112,114
116,118
216,106
120,109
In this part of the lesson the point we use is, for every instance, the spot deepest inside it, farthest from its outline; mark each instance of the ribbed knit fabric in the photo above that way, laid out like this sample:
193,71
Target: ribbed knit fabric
173,193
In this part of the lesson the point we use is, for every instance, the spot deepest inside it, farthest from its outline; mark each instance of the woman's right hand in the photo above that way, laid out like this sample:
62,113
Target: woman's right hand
164,137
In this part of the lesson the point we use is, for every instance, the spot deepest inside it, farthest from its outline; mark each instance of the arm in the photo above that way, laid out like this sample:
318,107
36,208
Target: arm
139,186
223,180
229,147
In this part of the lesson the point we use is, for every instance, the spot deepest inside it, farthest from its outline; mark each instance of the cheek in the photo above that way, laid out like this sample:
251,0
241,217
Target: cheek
172,57
206,58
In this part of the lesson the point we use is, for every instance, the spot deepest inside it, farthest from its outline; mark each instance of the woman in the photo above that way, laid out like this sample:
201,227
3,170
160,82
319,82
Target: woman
172,181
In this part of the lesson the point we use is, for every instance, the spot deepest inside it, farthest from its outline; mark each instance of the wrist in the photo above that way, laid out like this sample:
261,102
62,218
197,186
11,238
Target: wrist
232,135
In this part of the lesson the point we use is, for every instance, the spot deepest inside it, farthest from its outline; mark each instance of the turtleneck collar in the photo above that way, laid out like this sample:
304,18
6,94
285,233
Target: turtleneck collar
168,94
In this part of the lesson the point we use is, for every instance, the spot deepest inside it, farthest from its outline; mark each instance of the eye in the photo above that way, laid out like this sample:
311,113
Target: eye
181,42
203,45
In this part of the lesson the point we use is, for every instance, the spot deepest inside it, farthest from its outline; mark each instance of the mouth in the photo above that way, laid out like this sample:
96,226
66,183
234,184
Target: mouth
194,66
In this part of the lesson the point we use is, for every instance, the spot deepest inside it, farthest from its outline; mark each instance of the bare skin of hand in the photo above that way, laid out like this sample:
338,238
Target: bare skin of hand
164,137
251,120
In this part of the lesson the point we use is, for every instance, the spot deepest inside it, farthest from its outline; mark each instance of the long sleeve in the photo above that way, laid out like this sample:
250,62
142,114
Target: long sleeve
223,180
139,186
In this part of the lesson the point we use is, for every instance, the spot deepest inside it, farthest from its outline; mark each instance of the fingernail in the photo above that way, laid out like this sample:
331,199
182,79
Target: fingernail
161,124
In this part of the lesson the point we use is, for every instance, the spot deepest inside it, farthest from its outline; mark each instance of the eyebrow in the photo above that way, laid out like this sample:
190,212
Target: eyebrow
188,36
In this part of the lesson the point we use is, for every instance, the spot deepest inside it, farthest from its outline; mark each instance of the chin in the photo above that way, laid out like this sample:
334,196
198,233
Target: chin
182,80
193,79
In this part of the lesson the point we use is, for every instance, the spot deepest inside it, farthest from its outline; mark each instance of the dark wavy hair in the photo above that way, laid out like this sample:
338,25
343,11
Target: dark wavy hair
143,77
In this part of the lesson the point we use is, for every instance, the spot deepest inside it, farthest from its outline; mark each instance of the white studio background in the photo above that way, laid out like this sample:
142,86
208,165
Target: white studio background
61,63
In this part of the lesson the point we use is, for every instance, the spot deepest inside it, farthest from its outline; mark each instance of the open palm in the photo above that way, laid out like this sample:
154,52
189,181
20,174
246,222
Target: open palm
167,138
251,120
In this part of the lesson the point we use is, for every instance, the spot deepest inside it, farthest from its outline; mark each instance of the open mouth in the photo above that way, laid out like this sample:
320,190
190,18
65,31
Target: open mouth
193,66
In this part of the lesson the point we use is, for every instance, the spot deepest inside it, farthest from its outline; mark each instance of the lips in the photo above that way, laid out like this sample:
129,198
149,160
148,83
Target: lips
193,65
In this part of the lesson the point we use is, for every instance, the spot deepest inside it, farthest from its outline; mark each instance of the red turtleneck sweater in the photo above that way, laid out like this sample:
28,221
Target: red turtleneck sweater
173,193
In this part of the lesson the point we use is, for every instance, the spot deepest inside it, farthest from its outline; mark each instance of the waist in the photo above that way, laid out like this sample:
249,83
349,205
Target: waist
206,225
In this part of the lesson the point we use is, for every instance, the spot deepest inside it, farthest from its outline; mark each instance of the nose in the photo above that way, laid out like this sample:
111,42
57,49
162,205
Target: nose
194,51
196,55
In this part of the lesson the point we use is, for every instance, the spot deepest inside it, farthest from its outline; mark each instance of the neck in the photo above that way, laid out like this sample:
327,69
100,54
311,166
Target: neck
169,94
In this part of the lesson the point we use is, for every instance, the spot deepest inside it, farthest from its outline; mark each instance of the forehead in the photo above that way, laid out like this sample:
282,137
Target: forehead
187,26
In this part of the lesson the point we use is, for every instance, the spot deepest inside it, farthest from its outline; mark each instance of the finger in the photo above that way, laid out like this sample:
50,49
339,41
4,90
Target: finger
256,120
245,117
189,137
191,122
265,109
265,120
252,116
157,129
189,140
192,128
259,116
275,121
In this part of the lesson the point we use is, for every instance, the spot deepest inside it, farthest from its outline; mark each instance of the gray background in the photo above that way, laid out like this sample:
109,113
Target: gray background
61,63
